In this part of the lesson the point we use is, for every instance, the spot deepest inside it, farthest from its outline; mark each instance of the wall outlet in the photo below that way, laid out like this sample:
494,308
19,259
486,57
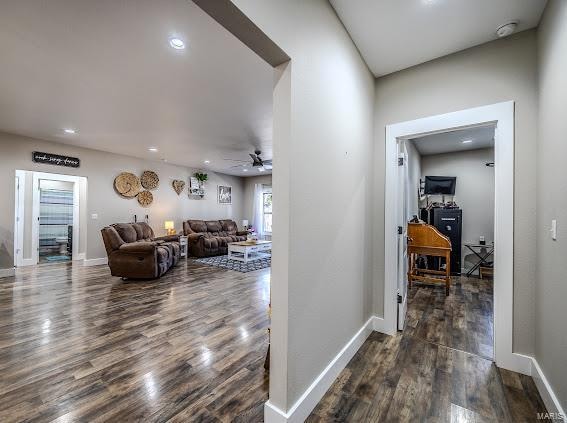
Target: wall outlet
553,229
94,216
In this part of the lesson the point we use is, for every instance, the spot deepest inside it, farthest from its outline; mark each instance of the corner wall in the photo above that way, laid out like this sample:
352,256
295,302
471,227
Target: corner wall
499,71
327,200
101,168
551,286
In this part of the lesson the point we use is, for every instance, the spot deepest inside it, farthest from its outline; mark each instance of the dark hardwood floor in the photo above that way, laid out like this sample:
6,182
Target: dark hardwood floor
436,370
79,345
462,320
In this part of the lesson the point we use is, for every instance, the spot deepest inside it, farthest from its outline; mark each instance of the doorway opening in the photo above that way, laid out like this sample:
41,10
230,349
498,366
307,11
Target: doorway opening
446,185
501,117
55,235
50,218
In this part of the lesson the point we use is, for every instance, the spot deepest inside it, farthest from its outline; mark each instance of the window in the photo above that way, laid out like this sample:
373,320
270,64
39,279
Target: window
267,202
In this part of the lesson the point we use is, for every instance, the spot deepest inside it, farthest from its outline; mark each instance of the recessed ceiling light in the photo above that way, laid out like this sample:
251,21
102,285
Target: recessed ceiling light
69,131
466,141
177,43
506,29
153,149
245,170
261,169
207,161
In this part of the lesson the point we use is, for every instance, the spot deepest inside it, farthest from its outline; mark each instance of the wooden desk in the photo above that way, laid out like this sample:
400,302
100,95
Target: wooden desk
426,240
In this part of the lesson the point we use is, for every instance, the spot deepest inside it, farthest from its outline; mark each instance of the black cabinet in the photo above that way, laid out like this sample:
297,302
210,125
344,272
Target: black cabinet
450,223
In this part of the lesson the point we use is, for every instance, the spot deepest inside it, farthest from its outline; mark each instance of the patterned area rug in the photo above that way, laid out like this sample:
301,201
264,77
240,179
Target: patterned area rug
224,262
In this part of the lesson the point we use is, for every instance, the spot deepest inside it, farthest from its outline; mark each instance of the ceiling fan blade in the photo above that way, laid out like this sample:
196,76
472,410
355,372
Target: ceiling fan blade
254,157
268,166
267,162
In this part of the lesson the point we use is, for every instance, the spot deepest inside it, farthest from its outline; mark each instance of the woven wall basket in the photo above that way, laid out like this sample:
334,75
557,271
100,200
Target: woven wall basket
149,179
127,184
145,198
178,186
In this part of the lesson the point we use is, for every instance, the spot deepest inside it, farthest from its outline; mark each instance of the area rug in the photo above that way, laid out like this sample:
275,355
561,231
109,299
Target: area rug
225,263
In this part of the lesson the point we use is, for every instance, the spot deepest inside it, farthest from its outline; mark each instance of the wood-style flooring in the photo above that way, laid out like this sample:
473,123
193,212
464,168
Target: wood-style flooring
462,320
434,371
79,345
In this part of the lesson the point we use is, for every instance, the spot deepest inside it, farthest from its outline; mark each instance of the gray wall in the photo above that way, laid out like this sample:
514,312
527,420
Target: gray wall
551,288
498,71
474,193
326,199
100,169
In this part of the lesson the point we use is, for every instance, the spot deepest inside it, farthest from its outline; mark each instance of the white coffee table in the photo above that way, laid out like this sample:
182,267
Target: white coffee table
246,251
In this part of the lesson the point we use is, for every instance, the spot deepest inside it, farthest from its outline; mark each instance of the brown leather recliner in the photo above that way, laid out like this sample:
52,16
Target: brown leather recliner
211,237
134,252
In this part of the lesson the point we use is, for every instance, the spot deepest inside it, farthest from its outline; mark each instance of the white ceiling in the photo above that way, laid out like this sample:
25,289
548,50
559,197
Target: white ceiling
452,142
396,34
105,68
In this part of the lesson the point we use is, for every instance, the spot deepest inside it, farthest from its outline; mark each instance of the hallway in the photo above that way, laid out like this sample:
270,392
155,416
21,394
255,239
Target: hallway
414,377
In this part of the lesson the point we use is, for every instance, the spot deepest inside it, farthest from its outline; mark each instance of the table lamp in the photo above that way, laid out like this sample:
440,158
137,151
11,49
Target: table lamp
245,224
170,226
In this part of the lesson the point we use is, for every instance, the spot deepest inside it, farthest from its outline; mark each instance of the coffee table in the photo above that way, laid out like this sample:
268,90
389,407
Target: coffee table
246,251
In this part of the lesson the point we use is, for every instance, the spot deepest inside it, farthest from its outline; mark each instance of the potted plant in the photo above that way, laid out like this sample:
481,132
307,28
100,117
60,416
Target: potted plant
201,177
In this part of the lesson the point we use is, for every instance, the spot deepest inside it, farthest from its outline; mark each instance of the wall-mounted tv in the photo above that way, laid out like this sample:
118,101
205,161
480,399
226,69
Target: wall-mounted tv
440,185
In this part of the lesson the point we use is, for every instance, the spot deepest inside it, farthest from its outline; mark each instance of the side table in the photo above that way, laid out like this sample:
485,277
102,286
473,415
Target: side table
183,246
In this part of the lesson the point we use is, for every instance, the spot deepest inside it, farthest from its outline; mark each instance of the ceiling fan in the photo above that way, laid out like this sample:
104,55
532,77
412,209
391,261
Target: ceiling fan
257,162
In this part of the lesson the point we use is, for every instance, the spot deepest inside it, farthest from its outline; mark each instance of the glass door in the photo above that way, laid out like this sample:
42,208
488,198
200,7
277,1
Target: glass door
55,221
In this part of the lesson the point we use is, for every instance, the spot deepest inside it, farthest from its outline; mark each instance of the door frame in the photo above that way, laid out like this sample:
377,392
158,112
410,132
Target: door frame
37,176
502,115
19,216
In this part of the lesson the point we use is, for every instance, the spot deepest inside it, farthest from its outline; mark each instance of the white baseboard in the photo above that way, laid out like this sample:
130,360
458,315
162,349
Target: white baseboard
379,325
311,397
28,262
5,273
95,262
547,395
80,256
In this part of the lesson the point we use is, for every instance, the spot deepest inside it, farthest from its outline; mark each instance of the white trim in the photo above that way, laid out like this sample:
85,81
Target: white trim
501,114
80,256
95,262
378,324
6,273
19,217
547,395
27,262
311,397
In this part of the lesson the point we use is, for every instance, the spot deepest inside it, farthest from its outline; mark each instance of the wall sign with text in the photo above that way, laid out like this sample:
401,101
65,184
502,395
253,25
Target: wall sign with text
55,159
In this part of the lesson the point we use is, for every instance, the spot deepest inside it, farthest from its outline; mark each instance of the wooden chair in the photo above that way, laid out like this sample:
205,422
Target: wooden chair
427,240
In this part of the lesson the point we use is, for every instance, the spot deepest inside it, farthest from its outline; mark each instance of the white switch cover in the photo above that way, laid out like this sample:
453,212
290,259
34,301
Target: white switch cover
554,229
94,216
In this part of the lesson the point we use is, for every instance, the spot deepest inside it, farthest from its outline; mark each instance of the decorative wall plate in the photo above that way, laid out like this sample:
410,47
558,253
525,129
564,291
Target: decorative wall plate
149,179
127,184
178,186
145,198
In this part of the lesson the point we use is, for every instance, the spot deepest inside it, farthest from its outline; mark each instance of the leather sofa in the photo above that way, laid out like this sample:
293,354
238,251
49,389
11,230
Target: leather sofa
211,237
134,251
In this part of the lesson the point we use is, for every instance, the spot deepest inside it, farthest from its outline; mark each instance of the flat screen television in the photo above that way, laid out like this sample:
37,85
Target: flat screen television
441,185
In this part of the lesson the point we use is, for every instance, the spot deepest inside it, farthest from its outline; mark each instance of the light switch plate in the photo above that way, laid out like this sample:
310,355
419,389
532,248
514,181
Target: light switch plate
554,229
94,216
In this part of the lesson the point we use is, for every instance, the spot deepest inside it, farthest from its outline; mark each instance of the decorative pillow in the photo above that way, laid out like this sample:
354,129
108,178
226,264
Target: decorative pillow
197,225
213,226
